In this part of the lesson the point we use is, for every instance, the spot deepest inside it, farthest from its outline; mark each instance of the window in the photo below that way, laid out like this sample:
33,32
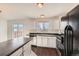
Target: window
43,25
15,27
17,30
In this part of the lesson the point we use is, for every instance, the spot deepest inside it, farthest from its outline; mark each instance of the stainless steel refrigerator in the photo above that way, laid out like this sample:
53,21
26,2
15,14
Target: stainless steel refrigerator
71,32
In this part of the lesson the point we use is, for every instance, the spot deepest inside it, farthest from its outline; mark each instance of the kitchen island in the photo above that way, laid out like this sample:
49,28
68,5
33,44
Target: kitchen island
9,47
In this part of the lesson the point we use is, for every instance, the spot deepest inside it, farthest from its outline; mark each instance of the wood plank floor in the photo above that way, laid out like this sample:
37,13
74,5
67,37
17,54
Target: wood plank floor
44,51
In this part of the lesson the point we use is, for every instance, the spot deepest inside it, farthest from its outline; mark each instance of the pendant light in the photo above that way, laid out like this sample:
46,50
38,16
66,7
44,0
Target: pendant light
40,5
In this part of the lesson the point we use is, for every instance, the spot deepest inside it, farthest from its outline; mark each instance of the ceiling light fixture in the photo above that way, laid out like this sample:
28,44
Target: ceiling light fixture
40,5
42,16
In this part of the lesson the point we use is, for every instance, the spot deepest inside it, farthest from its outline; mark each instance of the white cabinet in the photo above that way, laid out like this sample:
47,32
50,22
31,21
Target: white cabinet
34,41
44,41
17,53
38,41
51,42
27,49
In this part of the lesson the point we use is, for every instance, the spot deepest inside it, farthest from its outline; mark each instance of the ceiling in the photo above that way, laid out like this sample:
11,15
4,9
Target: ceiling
12,11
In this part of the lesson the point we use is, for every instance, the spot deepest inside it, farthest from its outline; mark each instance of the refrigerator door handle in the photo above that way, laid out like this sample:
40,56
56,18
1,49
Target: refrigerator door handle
68,40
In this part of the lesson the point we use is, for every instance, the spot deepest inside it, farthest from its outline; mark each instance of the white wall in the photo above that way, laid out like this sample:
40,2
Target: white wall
3,29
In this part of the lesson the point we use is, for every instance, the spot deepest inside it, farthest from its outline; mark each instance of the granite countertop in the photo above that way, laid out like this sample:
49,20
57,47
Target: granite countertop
10,46
45,34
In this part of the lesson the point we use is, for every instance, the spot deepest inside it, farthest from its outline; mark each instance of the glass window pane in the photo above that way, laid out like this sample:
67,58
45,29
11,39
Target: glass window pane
41,26
46,26
15,25
15,29
21,25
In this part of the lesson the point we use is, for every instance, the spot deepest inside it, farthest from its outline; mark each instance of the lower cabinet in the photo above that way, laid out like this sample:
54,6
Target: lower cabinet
17,53
51,42
27,49
24,51
44,41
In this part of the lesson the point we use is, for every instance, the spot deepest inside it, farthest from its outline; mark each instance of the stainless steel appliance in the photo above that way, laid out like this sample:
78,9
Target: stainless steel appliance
68,40
71,32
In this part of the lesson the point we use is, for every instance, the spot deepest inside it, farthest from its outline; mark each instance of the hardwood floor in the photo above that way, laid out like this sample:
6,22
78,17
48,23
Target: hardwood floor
44,51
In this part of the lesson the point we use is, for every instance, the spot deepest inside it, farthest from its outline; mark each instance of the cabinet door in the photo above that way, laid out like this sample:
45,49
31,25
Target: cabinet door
34,41
39,40
51,42
27,49
17,53
44,41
